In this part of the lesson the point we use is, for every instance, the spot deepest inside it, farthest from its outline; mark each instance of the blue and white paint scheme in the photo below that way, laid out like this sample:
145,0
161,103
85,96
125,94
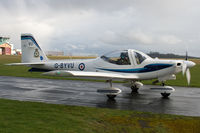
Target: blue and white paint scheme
131,65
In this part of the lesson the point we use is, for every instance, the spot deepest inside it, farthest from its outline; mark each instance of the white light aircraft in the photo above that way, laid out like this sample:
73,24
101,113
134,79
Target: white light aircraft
129,65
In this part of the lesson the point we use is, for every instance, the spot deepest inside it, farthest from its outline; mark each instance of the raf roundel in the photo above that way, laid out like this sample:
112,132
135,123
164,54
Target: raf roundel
81,66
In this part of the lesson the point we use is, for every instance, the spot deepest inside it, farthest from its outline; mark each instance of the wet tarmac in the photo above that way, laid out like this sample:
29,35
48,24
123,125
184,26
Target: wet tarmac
184,101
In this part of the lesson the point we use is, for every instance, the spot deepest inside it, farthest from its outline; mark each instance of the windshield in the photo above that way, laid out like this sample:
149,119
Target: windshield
139,57
117,57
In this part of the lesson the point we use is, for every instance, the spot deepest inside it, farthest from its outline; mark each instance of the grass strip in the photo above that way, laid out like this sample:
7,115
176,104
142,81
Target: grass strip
23,117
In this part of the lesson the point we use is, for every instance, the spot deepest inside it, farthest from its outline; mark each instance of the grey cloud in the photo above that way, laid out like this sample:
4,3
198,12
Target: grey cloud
95,25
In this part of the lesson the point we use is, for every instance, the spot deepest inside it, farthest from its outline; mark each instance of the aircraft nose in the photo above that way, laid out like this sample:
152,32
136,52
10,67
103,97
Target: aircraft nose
190,64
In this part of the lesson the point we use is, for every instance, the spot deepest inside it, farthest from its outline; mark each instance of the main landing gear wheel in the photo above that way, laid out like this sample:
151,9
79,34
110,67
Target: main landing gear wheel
135,86
110,92
111,97
134,89
165,95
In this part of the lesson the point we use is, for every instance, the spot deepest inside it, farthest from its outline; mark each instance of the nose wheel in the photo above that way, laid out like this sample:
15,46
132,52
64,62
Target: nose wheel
165,91
165,95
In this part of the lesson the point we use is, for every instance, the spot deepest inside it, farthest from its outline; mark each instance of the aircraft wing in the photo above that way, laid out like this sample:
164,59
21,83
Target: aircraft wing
21,64
84,74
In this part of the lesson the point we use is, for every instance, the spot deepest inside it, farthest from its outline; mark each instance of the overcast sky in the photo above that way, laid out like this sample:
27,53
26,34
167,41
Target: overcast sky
100,26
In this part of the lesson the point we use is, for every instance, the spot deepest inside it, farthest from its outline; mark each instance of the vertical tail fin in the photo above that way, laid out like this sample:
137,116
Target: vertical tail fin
31,51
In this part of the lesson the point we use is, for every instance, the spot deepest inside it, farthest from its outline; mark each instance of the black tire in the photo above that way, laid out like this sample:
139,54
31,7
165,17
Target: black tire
111,96
165,95
134,89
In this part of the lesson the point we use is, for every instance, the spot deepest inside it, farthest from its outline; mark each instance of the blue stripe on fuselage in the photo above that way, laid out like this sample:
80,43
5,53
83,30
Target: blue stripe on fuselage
147,68
31,38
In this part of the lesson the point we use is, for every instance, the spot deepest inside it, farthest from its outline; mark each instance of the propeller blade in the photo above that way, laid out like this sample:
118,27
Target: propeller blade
186,56
188,75
184,67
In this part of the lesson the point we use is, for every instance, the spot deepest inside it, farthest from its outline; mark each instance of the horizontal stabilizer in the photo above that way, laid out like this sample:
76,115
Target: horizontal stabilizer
65,73
22,64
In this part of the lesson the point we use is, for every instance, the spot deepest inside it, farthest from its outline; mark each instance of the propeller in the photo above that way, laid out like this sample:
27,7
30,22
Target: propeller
185,67
188,75
186,56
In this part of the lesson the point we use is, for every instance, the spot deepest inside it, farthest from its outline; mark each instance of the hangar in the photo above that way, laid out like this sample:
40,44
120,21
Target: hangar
5,47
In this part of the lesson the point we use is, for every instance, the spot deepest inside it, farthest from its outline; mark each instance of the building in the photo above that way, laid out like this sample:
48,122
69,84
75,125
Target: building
16,52
5,47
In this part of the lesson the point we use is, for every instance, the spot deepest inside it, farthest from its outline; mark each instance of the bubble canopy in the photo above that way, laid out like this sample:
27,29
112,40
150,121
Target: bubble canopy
122,57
